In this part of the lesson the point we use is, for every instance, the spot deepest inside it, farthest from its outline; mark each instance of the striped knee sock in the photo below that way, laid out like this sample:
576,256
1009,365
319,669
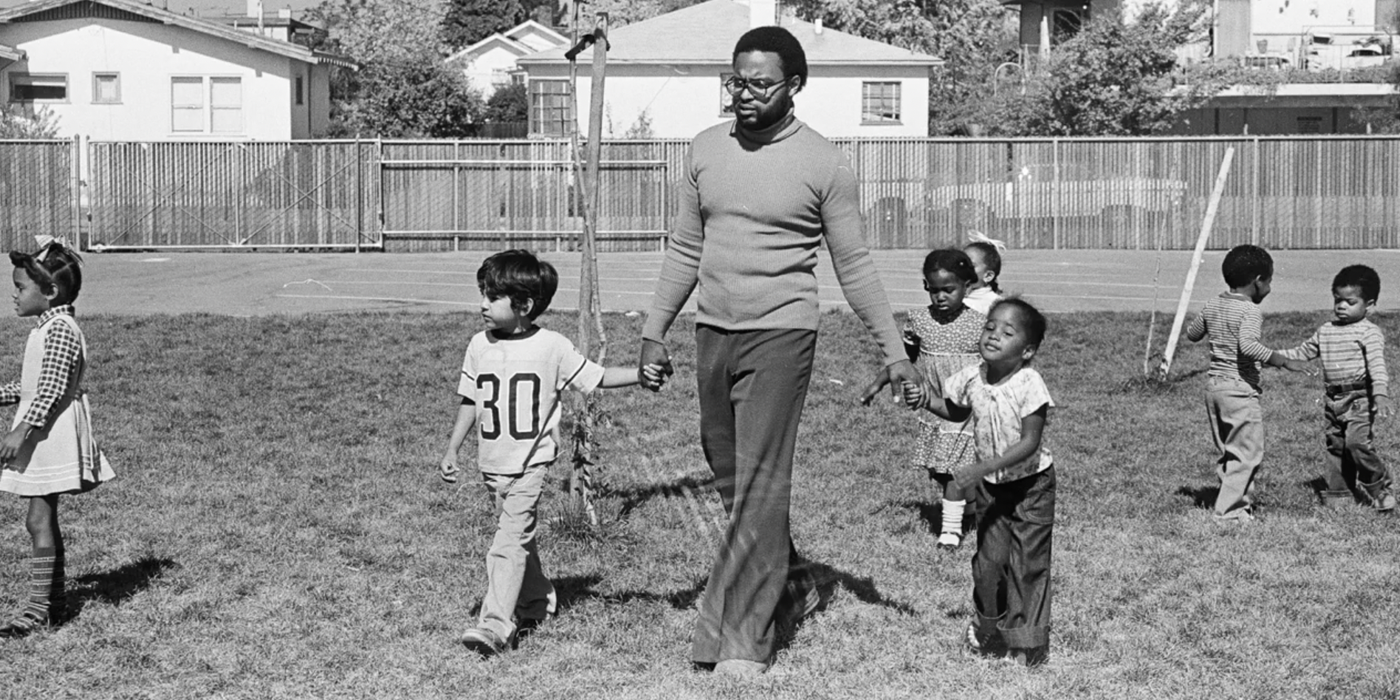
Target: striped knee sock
36,609
58,595
953,516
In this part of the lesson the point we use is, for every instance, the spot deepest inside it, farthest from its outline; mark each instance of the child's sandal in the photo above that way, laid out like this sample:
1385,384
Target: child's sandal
22,626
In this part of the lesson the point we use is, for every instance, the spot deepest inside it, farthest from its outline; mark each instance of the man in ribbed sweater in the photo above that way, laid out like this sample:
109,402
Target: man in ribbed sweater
759,196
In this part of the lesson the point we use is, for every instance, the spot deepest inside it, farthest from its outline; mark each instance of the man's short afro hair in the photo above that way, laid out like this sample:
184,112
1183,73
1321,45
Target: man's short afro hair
779,41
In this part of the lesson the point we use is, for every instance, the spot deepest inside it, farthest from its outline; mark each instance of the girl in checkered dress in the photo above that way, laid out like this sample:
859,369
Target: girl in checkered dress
49,450
941,340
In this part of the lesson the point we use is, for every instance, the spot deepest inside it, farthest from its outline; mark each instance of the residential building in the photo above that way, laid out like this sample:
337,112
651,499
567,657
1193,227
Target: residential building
1316,35
490,63
665,77
124,70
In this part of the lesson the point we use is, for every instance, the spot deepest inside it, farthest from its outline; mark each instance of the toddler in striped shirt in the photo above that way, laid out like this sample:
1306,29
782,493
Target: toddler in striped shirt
1232,323
1356,390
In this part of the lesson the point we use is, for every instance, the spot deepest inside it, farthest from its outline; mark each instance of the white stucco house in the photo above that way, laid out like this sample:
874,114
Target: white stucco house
665,75
490,63
121,70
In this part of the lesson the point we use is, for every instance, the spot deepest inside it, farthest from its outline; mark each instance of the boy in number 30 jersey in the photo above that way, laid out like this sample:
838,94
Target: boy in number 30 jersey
512,377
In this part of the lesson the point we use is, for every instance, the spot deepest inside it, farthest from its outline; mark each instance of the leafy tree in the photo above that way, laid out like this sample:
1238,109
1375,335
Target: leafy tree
1120,77
509,103
403,88
469,21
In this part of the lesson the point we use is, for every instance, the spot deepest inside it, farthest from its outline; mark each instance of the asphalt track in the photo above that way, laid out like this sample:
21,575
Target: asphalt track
254,284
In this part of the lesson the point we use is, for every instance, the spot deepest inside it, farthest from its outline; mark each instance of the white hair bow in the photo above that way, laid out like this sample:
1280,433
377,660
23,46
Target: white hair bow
44,241
975,236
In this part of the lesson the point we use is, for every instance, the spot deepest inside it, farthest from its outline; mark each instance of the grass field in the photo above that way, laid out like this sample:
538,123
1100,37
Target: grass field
278,531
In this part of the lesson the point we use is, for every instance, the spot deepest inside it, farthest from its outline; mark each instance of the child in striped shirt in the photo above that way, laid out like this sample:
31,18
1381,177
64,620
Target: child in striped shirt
1232,322
1356,390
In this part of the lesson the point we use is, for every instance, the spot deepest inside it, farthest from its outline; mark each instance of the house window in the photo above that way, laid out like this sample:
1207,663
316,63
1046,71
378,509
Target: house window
106,88
226,105
26,87
550,113
879,103
1309,125
187,104
726,100
300,99
190,94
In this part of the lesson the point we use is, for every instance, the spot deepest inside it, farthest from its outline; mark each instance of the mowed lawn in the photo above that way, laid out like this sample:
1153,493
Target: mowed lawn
278,530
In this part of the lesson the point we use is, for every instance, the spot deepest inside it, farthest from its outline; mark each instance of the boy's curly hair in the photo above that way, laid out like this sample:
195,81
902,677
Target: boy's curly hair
56,268
1361,277
1245,263
522,277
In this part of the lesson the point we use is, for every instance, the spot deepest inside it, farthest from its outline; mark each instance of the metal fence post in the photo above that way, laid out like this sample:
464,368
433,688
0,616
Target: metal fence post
76,196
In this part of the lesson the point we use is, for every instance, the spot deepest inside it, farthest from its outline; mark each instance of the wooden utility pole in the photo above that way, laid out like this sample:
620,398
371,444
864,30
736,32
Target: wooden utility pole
589,199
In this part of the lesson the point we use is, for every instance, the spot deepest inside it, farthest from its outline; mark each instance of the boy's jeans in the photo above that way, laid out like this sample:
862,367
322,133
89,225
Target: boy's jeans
1237,427
517,588
1348,410
1011,569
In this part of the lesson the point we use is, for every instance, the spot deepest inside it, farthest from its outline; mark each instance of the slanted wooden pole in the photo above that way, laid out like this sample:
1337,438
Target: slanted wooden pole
1206,225
590,321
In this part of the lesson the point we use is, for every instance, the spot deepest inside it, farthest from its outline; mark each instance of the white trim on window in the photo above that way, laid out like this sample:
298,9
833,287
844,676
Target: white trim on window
880,103
106,88
39,88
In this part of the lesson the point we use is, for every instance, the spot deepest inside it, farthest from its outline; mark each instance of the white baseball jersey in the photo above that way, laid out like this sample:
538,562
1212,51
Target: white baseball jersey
515,384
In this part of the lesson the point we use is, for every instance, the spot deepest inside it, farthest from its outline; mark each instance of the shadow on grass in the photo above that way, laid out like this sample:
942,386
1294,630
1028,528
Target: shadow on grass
117,585
574,590
1153,385
634,498
1201,496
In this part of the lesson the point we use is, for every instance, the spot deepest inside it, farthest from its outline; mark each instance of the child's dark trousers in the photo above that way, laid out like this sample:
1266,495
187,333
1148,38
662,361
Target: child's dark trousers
1011,570
1350,455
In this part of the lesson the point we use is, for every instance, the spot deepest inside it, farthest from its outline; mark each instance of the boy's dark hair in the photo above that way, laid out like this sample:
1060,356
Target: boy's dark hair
779,41
992,257
522,277
1036,325
950,260
57,270
1361,277
1245,263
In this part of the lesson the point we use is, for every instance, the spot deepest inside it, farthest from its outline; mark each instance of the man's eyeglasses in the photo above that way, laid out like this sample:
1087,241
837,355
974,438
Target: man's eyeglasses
758,88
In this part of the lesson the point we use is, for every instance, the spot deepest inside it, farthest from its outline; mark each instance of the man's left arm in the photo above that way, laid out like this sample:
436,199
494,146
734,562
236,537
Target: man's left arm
855,271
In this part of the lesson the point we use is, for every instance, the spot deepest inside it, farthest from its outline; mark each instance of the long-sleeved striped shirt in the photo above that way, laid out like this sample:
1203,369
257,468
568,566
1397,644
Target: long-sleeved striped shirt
61,349
1351,353
1233,323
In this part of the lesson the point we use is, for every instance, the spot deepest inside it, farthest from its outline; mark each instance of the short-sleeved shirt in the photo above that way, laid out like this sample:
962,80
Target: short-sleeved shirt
515,384
997,411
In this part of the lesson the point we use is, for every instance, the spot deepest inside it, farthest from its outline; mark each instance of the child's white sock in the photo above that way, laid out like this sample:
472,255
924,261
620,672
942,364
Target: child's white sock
953,516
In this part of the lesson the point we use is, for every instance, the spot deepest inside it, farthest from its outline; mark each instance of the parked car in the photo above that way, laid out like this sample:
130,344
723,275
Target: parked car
1044,190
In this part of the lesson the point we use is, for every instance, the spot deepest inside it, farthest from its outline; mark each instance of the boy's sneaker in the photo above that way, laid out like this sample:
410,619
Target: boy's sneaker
485,642
949,540
993,646
1383,500
1031,658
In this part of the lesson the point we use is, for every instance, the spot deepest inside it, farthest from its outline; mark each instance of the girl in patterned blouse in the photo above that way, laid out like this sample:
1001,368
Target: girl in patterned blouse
941,340
49,450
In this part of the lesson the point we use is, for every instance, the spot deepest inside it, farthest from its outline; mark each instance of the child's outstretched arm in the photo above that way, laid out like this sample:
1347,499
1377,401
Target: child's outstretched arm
1032,427
466,418
616,377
